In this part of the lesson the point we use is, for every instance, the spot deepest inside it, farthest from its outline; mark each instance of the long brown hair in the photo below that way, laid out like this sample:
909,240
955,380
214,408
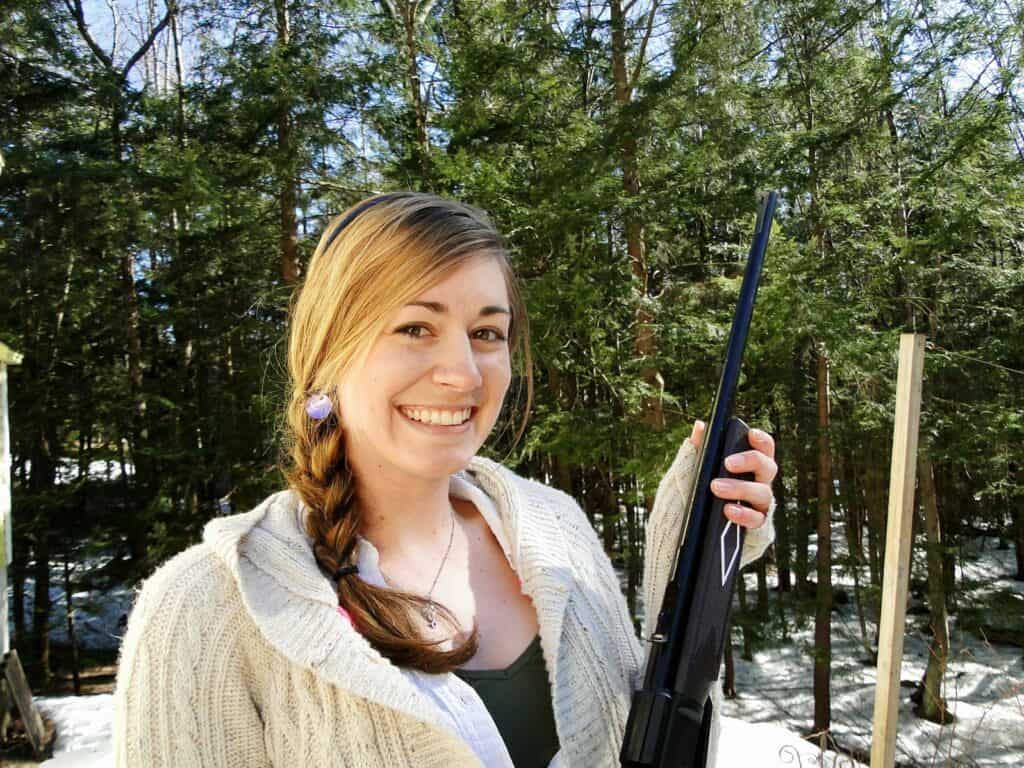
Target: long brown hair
374,258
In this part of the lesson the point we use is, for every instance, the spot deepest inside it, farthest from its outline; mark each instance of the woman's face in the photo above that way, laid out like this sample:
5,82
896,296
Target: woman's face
441,355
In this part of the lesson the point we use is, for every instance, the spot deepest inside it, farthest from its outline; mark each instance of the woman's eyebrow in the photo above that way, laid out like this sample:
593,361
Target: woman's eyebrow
436,306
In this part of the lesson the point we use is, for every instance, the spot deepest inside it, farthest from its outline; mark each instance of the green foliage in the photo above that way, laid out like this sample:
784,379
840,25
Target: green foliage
143,205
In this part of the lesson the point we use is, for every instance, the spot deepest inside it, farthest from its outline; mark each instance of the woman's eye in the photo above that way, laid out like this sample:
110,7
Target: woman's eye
419,331
411,330
495,335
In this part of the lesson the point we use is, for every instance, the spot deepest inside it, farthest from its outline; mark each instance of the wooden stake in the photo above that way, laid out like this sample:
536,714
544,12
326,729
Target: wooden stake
7,357
897,549
39,736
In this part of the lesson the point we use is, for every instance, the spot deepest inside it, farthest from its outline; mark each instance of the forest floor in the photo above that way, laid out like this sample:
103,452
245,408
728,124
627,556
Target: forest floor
983,685
765,725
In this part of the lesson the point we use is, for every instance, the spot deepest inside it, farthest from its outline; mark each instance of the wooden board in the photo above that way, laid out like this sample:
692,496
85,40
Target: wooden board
22,695
897,550
5,508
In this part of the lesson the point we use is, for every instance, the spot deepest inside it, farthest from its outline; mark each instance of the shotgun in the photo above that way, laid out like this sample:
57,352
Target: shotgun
669,720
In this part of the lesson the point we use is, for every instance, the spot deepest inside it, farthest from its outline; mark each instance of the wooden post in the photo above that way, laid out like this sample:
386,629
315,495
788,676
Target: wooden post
39,735
897,549
7,357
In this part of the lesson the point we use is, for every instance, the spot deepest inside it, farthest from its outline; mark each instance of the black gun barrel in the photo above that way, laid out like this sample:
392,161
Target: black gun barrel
670,717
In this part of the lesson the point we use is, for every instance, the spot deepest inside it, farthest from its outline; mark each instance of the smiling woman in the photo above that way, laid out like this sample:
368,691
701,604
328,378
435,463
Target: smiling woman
405,602
403,356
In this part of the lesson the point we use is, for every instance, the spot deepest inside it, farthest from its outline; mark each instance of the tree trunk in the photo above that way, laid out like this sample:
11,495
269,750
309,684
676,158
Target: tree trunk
876,512
70,616
852,506
947,499
761,569
646,343
823,614
41,611
416,98
803,515
933,706
729,680
782,561
133,329
741,587
289,234
1018,540
18,601
634,558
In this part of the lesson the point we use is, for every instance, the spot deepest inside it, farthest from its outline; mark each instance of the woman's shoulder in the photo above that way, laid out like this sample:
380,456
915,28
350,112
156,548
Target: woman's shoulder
202,581
195,584
525,489
541,505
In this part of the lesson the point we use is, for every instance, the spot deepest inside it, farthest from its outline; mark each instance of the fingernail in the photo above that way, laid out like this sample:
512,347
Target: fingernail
757,434
731,462
721,486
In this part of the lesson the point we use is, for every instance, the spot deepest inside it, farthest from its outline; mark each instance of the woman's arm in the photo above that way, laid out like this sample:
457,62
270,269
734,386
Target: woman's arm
668,519
182,696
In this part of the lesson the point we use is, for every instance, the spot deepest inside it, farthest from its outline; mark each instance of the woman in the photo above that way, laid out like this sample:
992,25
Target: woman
405,602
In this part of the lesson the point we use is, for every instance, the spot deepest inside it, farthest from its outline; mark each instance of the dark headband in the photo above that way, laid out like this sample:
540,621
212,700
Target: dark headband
354,213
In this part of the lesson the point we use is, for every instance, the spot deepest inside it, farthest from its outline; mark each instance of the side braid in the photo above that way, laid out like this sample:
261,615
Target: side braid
386,617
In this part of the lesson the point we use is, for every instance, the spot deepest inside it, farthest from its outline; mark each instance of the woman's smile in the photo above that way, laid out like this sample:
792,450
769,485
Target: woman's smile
439,421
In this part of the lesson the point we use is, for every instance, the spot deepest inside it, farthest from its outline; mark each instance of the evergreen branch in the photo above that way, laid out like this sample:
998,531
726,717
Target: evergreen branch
933,345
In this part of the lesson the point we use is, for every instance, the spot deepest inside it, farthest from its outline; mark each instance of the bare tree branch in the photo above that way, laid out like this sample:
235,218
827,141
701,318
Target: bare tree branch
643,44
79,16
148,43
115,15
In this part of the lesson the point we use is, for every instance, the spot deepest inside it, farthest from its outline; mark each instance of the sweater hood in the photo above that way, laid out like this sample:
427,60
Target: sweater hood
294,604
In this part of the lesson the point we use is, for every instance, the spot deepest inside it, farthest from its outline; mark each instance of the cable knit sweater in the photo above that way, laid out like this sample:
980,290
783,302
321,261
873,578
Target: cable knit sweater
236,655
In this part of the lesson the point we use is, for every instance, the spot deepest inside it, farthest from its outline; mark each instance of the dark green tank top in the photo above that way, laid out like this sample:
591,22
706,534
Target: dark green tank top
519,700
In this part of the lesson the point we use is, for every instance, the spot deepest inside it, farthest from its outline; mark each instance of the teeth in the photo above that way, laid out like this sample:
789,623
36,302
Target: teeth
444,418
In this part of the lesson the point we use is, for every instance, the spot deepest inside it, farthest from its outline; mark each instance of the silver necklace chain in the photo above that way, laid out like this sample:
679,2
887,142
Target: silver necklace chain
429,611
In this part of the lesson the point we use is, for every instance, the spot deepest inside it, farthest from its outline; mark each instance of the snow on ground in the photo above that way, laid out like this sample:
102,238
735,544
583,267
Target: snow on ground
984,683
84,732
84,729
100,611
984,686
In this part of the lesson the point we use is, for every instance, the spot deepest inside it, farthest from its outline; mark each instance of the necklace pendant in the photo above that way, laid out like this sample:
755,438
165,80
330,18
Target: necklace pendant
430,614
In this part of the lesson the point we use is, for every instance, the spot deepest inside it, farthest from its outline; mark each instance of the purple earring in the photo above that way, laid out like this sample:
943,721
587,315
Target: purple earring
318,406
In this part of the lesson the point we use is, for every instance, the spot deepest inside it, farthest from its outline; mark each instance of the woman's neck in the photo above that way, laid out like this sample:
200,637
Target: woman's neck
401,514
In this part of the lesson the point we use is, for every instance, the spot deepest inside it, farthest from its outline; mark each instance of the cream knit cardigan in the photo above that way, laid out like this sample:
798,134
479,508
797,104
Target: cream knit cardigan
236,656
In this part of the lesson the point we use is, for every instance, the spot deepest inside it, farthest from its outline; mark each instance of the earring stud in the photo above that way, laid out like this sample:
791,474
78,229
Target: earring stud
318,406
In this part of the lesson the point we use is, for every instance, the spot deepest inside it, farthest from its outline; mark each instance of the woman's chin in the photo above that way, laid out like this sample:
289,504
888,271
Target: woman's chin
442,463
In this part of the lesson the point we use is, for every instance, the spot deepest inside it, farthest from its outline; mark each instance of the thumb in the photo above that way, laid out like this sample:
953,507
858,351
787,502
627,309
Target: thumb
697,435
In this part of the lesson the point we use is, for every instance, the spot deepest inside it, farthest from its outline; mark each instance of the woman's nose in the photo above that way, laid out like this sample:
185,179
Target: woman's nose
457,367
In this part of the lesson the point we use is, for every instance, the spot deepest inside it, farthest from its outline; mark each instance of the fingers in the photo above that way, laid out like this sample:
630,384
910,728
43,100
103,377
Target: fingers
762,465
762,441
749,500
755,494
745,516
697,435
